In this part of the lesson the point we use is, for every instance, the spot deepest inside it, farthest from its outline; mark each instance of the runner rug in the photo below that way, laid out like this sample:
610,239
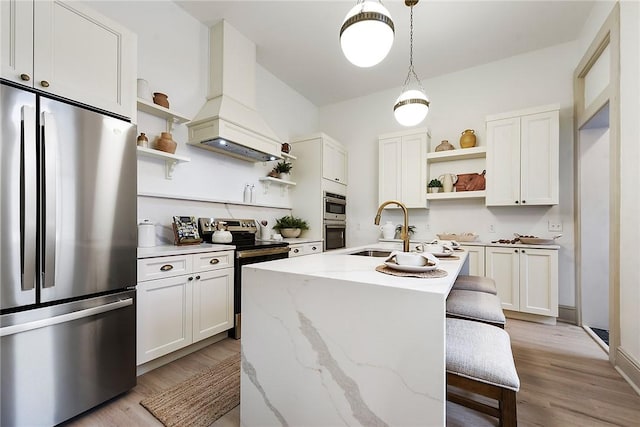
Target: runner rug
201,399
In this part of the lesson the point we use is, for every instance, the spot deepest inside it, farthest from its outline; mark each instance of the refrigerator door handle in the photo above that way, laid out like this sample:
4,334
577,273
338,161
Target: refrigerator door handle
63,318
49,139
28,188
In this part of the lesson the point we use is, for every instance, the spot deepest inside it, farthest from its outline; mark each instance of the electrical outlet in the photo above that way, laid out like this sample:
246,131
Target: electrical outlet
491,228
427,227
555,225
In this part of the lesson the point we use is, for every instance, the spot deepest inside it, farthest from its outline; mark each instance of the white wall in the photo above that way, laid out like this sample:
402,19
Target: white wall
173,58
461,101
629,193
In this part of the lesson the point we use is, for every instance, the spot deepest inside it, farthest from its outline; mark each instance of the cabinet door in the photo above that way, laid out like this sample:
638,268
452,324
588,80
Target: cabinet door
413,171
539,281
16,41
539,158
164,316
389,165
475,255
503,162
212,303
81,55
502,265
334,162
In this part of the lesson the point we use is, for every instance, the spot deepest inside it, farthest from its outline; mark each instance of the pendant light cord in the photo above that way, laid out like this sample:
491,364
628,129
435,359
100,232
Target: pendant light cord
412,71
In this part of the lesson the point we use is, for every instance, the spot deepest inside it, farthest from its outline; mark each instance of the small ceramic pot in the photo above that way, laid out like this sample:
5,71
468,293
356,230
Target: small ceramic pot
161,99
286,147
444,146
166,143
290,232
142,140
468,139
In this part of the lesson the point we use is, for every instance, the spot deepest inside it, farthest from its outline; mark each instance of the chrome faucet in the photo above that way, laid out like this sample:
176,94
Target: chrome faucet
404,231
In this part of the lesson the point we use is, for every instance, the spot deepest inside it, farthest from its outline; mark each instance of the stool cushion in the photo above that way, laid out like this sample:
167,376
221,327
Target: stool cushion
475,306
481,352
476,283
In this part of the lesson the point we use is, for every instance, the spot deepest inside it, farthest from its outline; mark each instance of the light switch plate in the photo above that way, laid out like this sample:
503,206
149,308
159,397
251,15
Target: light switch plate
555,225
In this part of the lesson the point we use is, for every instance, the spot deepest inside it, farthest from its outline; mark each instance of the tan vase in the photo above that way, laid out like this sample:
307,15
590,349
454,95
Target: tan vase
444,146
160,98
166,143
468,139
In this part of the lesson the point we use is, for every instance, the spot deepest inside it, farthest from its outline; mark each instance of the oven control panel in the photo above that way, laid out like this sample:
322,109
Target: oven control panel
246,225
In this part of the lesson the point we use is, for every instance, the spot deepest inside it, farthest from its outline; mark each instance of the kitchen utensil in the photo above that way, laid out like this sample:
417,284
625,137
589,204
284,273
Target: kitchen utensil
437,249
537,240
416,262
221,235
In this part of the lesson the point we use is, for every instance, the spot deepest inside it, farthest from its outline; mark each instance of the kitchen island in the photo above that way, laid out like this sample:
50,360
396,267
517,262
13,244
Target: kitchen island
329,341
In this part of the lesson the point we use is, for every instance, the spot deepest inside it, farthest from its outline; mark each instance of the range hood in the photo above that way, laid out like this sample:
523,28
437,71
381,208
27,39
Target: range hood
228,122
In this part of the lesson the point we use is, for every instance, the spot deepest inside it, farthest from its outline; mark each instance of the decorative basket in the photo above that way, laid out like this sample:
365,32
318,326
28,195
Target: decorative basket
462,237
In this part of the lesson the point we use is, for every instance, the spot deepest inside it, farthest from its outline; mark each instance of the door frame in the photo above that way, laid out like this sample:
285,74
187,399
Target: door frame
608,36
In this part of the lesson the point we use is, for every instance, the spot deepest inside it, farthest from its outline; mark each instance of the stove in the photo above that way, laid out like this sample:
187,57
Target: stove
248,251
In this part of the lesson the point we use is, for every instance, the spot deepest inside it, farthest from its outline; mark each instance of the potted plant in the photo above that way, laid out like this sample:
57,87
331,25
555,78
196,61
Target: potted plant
411,229
434,186
290,226
280,169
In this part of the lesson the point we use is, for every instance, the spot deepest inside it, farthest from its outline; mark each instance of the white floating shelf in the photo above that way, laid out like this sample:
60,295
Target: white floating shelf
171,160
288,156
267,181
456,195
172,117
458,154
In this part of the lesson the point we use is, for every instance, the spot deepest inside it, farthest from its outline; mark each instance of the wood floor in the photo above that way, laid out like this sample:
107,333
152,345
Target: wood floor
566,380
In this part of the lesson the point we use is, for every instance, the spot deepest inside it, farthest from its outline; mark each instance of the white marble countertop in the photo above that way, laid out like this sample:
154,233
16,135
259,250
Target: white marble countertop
480,243
293,241
167,250
338,264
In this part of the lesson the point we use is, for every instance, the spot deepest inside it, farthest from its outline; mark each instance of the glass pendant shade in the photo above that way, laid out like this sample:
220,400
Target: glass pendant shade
411,107
367,33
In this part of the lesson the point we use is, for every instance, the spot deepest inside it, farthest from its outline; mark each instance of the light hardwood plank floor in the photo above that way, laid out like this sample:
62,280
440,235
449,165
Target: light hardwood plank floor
566,380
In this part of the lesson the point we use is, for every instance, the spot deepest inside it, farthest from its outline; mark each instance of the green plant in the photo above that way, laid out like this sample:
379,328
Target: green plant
411,228
289,221
283,167
434,183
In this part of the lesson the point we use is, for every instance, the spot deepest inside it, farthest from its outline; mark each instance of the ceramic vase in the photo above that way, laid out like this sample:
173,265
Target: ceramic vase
468,139
161,99
166,143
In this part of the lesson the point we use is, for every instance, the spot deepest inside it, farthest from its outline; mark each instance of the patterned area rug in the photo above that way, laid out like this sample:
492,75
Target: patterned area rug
201,399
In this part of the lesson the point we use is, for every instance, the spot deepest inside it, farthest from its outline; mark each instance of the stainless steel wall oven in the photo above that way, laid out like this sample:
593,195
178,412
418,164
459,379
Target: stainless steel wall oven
334,234
335,207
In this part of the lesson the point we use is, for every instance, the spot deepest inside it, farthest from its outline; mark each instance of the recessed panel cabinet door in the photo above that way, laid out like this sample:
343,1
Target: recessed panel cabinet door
503,162
502,265
414,171
539,154
539,281
83,56
212,303
475,255
389,164
16,41
164,311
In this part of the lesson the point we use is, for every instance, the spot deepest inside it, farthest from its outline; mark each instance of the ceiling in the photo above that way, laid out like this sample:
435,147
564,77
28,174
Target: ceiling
298,41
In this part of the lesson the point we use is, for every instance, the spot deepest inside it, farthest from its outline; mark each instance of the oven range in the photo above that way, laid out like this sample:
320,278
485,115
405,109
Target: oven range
248,251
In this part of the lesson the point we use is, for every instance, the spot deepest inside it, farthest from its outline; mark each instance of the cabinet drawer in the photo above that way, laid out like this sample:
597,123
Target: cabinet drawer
296,250
313,248
169,266
212,261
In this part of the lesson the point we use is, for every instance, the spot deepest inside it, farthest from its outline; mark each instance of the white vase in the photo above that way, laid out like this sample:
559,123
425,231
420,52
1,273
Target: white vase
388,230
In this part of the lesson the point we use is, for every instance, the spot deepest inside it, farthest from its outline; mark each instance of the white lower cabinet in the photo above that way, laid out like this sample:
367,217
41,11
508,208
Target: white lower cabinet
300,249
527,279
190,301
476,259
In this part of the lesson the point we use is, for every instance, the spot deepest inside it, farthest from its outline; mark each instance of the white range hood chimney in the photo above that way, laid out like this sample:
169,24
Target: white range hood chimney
228,122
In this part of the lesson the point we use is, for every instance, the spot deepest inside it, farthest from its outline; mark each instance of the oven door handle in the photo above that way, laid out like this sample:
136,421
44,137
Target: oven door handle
335,225
252,253
336,201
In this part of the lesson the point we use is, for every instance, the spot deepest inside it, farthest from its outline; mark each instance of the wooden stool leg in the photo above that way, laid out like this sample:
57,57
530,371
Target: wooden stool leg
507,403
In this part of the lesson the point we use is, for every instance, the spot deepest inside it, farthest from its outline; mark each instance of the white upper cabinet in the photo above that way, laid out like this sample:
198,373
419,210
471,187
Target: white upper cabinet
523,158
402,167
334,161
67,49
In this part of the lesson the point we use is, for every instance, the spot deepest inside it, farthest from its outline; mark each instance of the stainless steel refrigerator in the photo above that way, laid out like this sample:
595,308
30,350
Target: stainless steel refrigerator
67,258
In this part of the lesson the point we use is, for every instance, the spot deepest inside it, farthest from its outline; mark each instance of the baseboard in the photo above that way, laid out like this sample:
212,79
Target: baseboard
567,314
629,369
547,320
168,358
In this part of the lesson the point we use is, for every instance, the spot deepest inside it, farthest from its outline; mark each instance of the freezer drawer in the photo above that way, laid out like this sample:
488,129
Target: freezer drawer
59,361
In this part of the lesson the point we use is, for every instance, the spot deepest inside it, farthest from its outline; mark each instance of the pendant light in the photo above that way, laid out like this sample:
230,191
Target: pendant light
367,33
412,105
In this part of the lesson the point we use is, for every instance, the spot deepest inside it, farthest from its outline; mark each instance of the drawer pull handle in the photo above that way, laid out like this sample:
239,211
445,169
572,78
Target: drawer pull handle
166,267
214,261
197,277
296,251
25,77
44,83
313,248
190,278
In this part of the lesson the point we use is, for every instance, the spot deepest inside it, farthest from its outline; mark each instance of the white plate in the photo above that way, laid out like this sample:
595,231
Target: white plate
442,254
410,268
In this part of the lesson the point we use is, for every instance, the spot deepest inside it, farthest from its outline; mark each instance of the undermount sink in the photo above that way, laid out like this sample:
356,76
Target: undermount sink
372,252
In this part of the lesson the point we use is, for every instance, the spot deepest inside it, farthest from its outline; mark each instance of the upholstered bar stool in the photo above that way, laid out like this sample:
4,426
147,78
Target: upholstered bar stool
480,362
475,283
477,306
